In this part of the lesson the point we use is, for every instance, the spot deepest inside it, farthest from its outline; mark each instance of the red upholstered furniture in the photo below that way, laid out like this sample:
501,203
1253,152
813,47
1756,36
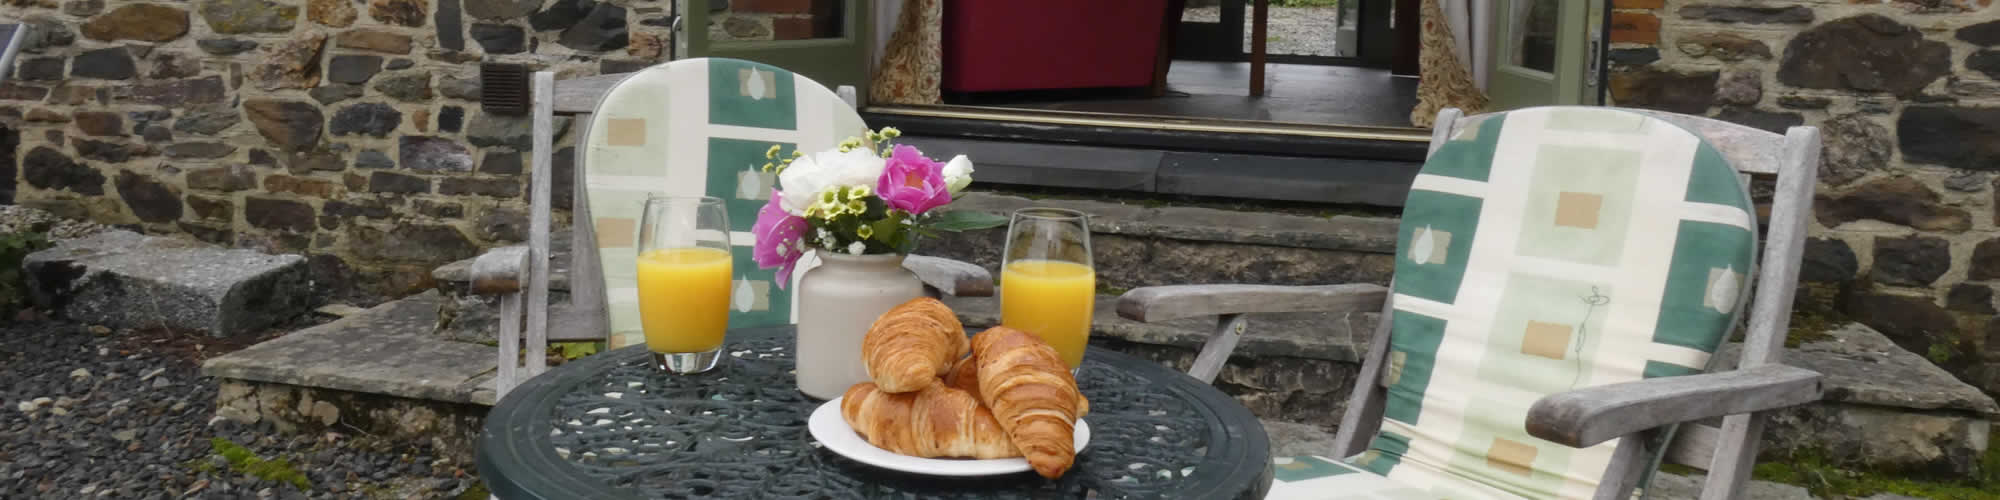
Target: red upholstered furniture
1050,44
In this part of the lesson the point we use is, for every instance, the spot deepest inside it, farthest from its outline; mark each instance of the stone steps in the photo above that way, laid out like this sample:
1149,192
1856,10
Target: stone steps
1136,245
384,371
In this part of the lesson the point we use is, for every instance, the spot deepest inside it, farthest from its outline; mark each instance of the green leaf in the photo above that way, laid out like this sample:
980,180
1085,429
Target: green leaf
965,220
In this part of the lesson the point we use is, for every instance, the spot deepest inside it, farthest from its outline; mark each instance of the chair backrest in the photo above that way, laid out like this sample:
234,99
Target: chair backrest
699,127
1544,250
12,37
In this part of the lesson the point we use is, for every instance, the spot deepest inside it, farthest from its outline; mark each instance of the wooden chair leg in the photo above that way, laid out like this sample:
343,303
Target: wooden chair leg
1735,453
1228,331
510,345
1259,18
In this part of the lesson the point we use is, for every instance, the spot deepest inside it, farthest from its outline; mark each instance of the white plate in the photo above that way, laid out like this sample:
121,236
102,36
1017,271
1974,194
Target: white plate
832,431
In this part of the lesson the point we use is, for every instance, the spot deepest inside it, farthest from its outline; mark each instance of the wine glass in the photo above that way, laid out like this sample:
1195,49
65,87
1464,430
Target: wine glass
684,276
1047,285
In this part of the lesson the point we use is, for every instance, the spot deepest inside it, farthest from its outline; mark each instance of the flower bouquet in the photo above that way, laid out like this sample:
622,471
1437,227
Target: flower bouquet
867,196
861,207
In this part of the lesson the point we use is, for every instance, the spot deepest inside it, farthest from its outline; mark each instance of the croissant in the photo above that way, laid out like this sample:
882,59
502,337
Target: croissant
1031,392
964,376
935,422
913,344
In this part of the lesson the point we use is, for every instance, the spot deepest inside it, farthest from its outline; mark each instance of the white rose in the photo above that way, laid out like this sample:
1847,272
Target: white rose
859,167
801,183
958,173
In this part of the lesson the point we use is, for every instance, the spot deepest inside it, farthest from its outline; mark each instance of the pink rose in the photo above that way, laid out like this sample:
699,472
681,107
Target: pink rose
912,183
780,238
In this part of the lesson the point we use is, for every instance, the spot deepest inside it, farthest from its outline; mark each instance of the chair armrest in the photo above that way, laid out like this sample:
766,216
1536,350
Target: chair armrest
1585,417
1164,303
951,277
500,271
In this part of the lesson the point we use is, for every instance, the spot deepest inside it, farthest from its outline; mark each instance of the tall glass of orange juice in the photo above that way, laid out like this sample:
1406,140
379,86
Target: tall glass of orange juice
1047,284
683,271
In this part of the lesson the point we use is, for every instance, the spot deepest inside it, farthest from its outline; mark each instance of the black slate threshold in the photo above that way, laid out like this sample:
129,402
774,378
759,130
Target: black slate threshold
1274,177
1256,138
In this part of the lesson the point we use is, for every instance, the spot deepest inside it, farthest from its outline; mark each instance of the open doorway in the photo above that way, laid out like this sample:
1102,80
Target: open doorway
1323,62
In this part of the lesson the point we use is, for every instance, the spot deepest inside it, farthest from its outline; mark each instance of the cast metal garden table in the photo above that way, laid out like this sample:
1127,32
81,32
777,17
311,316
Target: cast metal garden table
608,426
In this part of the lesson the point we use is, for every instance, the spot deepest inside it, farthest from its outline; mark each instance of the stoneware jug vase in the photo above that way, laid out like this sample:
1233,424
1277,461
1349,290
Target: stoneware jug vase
838,301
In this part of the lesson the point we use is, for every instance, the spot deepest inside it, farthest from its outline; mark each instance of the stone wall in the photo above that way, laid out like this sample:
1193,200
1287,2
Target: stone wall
1905,234
348,130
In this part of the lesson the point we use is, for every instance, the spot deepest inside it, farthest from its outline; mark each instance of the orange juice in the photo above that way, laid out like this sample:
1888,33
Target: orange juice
1051,299
684,298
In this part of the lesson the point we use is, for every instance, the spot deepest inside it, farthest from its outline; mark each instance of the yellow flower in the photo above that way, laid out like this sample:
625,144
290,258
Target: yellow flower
858,192
891,132
865,232
768,166
829,197
830,209
856,206
771,153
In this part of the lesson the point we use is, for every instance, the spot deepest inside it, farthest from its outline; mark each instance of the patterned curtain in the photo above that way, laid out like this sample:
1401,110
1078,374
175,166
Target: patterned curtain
1443,81
912,63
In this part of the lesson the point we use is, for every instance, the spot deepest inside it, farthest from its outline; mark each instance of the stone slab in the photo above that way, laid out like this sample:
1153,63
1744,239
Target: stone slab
1884,408
1340,232
1314,180
1864,367
129,280
388,350
1292,440
1338,337
1678,487
1052,165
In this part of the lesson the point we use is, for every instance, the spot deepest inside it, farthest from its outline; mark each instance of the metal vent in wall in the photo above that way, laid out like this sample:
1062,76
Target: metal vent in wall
503,88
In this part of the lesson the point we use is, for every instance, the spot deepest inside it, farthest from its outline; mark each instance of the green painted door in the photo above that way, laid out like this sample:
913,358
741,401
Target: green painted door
1544,52
825,40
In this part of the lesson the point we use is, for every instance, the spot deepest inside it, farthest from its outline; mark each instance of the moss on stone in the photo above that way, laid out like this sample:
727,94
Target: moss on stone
1824,478
475,492
1815,311
243,461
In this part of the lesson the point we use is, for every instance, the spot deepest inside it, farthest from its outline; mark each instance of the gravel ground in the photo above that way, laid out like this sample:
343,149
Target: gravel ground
87,412
1290,30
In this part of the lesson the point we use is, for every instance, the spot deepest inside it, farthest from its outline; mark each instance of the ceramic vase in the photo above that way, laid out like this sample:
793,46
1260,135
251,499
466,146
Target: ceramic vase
837,302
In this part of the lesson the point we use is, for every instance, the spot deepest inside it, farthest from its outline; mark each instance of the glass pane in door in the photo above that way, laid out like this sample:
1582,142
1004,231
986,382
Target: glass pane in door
775,20
1532,28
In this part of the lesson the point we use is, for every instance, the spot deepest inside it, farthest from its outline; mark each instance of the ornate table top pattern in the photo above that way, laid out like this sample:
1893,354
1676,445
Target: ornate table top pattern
611,426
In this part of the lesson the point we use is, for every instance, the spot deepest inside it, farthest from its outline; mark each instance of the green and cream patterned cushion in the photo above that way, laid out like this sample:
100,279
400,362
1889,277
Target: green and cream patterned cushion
1545,250
701,127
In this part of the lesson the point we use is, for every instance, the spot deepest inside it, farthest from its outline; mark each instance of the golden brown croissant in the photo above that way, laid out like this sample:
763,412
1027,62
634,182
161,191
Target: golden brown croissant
964,376
935,422
912,345
1031,392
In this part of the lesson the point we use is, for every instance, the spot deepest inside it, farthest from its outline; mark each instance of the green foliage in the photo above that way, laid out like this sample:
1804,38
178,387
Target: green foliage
1825,479
244,461
574,350
15,247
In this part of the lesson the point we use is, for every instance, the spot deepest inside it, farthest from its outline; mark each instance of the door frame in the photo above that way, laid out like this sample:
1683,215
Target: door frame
844,60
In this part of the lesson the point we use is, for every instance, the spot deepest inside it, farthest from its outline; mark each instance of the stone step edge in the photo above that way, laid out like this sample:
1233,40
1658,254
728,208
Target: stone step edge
1340,232
1339,337
462,373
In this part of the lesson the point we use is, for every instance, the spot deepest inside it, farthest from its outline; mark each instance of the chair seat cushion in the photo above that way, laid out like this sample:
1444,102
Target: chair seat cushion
1320,478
